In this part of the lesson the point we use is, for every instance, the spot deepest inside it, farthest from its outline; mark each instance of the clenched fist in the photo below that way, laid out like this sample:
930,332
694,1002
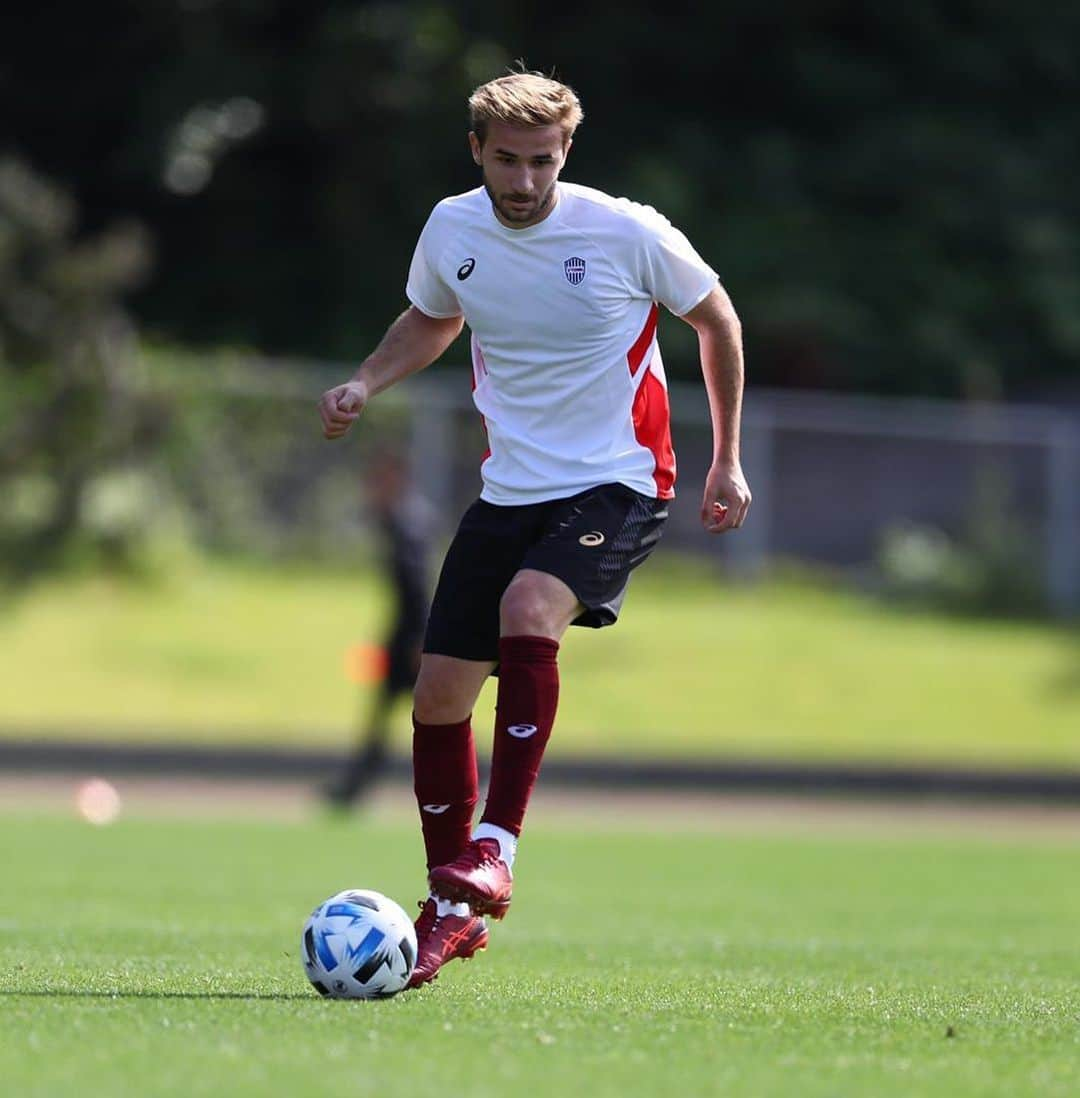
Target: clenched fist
726,499
341,406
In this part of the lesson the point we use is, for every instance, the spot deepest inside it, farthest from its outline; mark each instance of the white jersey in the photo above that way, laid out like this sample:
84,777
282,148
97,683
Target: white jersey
567,372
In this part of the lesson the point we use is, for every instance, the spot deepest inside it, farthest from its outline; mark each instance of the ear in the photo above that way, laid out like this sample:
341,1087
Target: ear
474,145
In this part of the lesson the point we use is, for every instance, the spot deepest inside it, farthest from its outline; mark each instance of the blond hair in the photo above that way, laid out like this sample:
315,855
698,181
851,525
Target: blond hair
524,99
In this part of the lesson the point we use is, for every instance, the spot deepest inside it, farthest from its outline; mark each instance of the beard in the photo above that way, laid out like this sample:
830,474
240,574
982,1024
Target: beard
525,214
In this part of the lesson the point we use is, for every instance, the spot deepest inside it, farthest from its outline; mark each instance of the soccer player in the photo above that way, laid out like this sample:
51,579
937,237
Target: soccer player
406,522
560,286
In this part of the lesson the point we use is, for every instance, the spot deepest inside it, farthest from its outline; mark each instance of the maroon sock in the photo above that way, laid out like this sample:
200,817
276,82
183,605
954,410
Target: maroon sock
444,778
524,715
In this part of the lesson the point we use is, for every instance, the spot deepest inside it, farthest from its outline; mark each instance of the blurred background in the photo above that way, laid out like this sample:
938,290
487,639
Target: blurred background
207,210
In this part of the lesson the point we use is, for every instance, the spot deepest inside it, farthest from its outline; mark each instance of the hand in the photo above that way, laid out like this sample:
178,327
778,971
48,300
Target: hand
726,499
341,406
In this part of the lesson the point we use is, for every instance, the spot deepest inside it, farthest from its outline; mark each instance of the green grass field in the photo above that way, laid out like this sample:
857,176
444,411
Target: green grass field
159,957
695,667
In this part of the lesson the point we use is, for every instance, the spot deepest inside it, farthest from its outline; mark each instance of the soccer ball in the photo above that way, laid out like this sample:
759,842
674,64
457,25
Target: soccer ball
358,945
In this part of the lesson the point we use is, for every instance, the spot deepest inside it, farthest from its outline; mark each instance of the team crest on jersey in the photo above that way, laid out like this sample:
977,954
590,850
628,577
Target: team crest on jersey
575,270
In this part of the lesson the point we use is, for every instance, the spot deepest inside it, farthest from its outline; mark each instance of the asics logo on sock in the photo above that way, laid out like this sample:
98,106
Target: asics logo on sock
521,731
436,809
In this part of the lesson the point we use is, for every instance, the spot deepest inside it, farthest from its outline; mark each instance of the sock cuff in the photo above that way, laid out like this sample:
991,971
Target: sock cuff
438,731
528,649
444,768
444,757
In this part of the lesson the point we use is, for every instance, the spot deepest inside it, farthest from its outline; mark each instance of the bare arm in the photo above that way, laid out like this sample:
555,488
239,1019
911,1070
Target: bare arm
413,341
727,496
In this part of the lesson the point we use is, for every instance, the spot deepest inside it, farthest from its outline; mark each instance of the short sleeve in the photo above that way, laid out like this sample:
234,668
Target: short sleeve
425,289
670,269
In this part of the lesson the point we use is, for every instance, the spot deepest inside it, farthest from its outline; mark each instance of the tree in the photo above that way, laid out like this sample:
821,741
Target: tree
70,409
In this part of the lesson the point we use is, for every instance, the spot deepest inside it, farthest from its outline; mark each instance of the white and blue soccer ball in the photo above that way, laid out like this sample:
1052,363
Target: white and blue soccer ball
358,944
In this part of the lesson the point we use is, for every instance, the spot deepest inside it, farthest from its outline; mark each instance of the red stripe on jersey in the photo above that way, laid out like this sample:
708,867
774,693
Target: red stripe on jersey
652,429
636,355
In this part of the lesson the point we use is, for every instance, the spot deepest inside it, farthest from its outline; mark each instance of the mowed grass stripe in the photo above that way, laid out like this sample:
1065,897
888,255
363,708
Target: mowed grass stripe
160,958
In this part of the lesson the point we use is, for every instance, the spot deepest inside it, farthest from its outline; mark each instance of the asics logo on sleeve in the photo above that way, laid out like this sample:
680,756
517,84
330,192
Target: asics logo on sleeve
436,809
466,269
591,539
522,731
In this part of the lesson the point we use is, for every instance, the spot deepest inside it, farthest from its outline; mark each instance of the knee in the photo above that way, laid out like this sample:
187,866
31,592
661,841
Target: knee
437,699
524,609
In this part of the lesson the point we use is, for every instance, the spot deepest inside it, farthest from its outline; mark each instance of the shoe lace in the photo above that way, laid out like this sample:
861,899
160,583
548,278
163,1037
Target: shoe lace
490,853
481,854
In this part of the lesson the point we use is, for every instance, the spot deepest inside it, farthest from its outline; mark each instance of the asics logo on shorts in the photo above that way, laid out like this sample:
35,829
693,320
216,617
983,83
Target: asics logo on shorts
436,809
521,731
591,539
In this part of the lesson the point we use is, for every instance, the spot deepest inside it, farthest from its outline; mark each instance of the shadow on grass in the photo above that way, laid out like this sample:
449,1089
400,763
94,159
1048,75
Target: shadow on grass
61,993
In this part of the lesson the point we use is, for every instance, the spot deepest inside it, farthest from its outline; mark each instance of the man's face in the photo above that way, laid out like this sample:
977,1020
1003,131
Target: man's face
520,166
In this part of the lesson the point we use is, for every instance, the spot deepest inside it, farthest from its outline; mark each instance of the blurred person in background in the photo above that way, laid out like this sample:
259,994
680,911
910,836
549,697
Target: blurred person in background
406,522
560,286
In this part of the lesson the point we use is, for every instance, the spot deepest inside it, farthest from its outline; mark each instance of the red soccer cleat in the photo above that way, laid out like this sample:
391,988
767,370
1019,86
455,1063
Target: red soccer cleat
477,877
441,938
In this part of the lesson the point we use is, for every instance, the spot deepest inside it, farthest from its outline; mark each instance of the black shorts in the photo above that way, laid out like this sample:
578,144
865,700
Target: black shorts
591,541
